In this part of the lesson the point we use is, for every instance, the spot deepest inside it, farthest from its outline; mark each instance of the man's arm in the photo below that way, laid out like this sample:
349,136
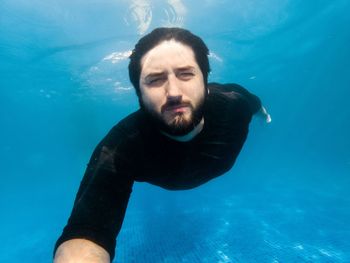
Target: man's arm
81,251
252,100
264,114
99,206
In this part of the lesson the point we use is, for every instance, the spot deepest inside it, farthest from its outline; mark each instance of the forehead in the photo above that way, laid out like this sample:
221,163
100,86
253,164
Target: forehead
169,53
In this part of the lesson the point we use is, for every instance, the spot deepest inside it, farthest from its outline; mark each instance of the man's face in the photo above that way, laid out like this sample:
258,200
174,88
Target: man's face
172,88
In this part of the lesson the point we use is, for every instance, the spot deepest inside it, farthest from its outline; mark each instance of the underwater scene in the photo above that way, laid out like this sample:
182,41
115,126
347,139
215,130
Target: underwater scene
64,84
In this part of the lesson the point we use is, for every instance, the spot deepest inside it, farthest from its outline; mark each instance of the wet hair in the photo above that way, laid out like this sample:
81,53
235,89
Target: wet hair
159,35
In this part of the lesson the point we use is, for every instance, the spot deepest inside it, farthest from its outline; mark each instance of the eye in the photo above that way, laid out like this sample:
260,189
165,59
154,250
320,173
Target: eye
186,75
155,81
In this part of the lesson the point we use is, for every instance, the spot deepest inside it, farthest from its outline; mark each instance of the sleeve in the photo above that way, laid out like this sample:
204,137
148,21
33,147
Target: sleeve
100,204
252,100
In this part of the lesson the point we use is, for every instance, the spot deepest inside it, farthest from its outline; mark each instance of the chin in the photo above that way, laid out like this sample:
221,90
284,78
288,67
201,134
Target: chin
180,125
181,120
177,125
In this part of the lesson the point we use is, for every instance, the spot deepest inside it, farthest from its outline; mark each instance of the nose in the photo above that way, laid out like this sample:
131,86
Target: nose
173,87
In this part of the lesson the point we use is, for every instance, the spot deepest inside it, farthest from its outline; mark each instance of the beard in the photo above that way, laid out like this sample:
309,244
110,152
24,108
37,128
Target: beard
179,124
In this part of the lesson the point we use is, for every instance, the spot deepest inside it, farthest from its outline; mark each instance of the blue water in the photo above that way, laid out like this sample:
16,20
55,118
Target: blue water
63,85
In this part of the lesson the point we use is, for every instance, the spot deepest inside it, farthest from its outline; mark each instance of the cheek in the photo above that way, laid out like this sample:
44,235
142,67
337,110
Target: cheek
197,93
152,98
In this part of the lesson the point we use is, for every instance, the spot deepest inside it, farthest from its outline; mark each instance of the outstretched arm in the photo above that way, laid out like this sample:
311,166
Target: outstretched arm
99,207
81,251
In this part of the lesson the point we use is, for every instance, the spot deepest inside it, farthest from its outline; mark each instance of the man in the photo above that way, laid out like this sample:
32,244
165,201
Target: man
185,133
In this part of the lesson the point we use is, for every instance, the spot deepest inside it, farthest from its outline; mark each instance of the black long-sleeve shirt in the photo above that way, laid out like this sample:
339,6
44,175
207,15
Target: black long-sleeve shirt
134,150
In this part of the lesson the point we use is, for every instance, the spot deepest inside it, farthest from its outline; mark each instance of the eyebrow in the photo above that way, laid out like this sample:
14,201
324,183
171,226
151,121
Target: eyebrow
161,73
154,74
185,68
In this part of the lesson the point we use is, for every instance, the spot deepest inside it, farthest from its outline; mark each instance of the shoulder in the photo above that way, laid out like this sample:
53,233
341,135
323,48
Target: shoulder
124,130
229,93
121,141
219,87
230,90
237,95
131,123
227,99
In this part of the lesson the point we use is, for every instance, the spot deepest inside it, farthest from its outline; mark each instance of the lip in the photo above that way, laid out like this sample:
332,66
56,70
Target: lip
176,108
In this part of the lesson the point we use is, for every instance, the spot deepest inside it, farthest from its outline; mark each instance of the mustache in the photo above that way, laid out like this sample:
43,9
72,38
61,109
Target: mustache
171,104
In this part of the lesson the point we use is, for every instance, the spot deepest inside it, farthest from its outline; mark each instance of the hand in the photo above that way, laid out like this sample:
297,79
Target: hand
264,114
81,251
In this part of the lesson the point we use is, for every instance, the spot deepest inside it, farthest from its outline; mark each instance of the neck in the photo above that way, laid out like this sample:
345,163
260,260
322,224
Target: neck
189,136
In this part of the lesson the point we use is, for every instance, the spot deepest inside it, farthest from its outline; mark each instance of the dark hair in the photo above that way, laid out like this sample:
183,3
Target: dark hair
159,35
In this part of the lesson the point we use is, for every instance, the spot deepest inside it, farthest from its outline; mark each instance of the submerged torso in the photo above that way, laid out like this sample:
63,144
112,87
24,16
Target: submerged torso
182,165
134,150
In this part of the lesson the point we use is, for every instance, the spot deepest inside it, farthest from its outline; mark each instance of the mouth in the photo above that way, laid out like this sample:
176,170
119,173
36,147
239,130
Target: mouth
176,108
